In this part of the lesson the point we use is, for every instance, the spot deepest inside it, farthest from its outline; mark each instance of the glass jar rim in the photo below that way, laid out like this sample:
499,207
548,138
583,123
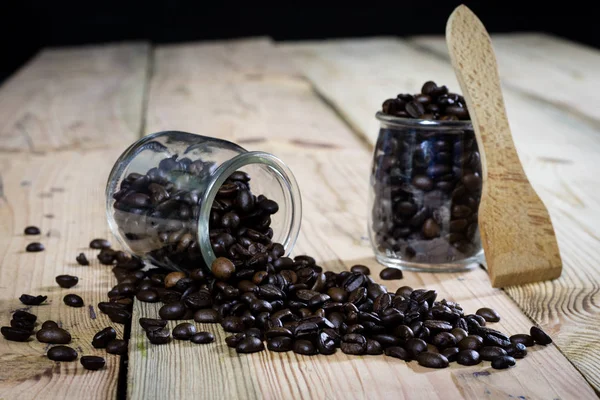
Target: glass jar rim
422,123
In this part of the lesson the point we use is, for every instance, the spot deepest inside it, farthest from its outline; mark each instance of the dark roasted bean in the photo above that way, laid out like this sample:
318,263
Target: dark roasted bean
468,357
184,331
32,230
432,360
53,335
304,347
159,336
102,338
539,336
99,244
29,300
503,362
361,269
117,346
489,353
202,338
34,247
516,350
207,315
471,342
15,334
250,344
488,314
397,352
522,338
92,363
61,353
391,274
82,259
66,281
450,353
415,346
280,343
73,300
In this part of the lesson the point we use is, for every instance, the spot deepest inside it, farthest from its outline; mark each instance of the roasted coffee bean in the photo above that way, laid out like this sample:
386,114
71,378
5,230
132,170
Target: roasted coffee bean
391,274
149,324
222,268
250,344
202,338
73,300
66,281
172,311
119,316
304,347
61,353
488,314
522,338
489,353
15,334
443,340
117,346
468,357
374,348
184,331
422,182
450,353
49,324
172,278
29,300
92,363
22,324
109,307
337,294
415,346
459,334
207,315
147,296
24,315
403,333
82,259
437,326
471,342
415,109
159,336
106,256
34,247
99,244
361,269
233,324
32,230
53,336
398,352
432,360
503,362
326,343
281,344
102,338
516,350
539,336
278,332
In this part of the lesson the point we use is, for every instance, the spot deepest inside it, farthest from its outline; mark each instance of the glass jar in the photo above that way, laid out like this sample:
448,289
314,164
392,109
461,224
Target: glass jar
425,189
160,197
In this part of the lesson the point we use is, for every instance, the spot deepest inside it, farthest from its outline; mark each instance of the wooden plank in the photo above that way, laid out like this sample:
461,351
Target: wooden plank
66,99
333,179
557,151
558,71
74,98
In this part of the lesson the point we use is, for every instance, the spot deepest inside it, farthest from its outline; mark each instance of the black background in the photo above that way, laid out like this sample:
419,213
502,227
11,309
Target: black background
30,25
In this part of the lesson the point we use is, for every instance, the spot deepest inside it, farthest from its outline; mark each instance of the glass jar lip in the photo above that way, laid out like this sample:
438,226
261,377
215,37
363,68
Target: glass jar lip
422,123
280,170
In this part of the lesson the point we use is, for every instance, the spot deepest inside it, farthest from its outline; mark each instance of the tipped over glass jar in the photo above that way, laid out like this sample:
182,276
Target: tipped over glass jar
425,183
179,200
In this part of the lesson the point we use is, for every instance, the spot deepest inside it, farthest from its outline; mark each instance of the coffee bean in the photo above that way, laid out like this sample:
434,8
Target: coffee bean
34,247
337,294
207,315
374,348
15,334
61,353
53,335
415,109
29,300
503,362
443,340
222,268
116,346
172,278
200,299
415,346
119,316
184,331
102,338
391,273
304,347
422,182
73,300
471,342
250,344
354,344
202,338
397,352
539,336
22,324
430,229
472,182
66,281
489,353
159,336
522,338
488,314
450,353
361,269
280,344
32,230
459,334
49,324
147,296
172,311
82,259
468,357
432,360
151,324
92,363
99,244
233,324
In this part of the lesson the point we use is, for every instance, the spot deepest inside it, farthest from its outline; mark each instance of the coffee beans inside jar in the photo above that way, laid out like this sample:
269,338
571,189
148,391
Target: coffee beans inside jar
426,179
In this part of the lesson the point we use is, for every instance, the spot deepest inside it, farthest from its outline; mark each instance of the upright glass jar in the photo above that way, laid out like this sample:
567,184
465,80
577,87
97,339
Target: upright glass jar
425,189
160,197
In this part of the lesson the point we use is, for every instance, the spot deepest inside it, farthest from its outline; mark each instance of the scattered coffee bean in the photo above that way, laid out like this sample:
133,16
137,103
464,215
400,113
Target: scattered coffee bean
207,315
151,324
117,346
540,336
280,344
222,268
250,344
516,350
92,363
374,348
53,335
522,338
34,247
361,269
66,281
397,352
172,278
99,244
147,296
304,347
432,360
503,362
471,342
22,324
82,259
32,230
172,311
73,300
202,338
159,336
24,315
49,324
29,300
104,337
468,357
15,334
450,353
488,314
489,353
391,273
415,346
184,331
61,353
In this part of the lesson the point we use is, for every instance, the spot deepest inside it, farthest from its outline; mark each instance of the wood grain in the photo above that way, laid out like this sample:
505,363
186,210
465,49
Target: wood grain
557,149
515,253
74,98
333,180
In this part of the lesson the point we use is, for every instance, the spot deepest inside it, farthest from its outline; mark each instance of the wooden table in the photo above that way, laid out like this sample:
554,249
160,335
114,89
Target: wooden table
67,115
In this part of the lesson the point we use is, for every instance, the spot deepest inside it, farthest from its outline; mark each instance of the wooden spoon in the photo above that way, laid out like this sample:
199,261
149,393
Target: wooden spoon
516,232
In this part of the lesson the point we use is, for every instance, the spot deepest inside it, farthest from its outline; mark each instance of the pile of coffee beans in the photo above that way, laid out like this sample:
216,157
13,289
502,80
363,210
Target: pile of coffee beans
158,214
426,181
